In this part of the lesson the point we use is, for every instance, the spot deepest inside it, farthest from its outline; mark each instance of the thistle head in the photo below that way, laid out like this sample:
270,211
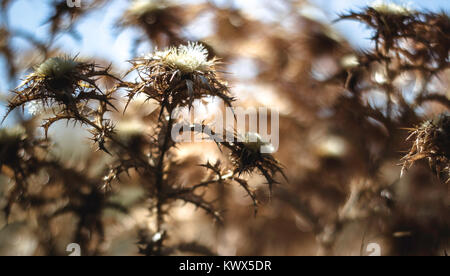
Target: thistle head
439,131
252,152
178,76
255,143
64,86
432,142
159,19
56,67
186,58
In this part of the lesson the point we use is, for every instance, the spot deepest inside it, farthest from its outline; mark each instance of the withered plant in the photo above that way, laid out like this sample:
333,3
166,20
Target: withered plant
363,133
66,89
174,78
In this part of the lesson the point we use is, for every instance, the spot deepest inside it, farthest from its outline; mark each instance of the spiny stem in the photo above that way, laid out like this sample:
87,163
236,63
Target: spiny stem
160,181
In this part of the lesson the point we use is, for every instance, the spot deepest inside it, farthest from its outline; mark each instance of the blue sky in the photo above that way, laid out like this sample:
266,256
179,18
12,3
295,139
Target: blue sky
100,39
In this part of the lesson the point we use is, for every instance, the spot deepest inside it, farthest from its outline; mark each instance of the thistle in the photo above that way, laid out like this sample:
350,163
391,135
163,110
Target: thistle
56,68
253,153
63,84
187,58
432,142
175,77
389,20
160,20
254,142
69,88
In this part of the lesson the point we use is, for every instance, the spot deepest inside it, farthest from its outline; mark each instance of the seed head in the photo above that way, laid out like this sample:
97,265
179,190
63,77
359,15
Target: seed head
254,153
177,76
186,58
56,67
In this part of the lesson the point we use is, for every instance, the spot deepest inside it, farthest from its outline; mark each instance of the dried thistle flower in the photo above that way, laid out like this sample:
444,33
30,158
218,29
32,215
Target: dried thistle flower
405,40
175,77
254,142
432,142
63,84
390,21
56,67
159,19
254,153
187,58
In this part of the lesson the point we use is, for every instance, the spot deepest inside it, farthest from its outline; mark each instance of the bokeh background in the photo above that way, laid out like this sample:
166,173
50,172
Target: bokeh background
344,189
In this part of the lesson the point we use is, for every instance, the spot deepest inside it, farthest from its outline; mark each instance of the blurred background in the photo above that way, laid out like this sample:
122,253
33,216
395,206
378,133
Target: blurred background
343,188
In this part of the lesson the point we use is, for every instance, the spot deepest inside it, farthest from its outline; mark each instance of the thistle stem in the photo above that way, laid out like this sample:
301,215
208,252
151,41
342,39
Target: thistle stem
159,183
